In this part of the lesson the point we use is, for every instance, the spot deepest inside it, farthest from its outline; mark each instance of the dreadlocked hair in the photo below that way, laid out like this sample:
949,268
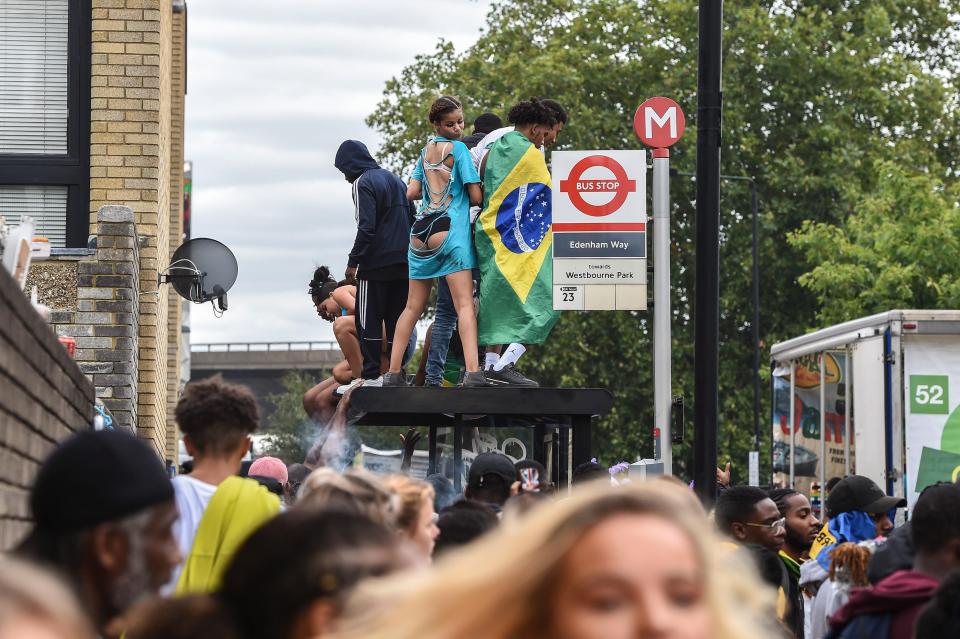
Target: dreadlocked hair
780,497
532,111
322,283
443,105
848,563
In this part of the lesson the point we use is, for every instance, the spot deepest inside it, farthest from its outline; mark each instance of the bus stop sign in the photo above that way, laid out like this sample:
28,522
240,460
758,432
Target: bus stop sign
620,185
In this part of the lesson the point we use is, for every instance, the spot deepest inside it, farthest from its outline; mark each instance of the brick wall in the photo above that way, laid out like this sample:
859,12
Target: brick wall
130,165
104,318
43,398
174,301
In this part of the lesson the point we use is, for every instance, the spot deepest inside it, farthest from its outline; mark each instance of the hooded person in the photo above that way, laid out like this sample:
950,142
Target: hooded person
857,511
378,259
103,511
890,609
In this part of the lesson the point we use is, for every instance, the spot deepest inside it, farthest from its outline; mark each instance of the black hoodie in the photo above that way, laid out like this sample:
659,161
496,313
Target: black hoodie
383,212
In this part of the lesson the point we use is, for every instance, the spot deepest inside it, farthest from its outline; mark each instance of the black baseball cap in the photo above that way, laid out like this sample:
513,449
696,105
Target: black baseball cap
860,493
94,477
491,464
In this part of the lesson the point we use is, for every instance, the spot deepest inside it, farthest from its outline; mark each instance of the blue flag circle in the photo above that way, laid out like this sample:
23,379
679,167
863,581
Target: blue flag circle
524,217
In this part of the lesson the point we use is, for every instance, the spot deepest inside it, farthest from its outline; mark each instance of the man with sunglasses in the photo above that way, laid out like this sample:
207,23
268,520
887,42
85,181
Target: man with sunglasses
747,515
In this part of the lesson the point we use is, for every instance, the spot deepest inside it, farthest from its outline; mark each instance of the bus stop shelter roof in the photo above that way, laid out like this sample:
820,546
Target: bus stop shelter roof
422,406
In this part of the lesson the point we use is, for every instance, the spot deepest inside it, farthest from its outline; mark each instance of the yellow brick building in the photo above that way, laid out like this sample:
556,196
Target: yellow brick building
122,120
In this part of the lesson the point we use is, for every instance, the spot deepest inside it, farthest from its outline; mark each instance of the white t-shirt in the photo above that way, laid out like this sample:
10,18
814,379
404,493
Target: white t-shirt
192,496
478,152
830,598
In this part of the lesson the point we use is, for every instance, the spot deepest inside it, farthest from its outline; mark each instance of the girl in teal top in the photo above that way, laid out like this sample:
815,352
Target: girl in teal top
447,184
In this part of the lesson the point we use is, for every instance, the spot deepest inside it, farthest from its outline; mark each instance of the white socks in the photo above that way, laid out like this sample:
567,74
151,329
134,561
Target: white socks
510,356
490,360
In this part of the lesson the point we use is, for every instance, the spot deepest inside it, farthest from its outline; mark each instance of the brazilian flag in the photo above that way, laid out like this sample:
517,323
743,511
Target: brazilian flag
514,238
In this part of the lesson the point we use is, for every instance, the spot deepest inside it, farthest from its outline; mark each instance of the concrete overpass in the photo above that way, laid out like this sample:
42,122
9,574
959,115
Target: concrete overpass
262,365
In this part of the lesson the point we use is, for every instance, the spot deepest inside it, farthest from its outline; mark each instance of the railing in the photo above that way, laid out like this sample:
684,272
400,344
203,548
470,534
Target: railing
263,347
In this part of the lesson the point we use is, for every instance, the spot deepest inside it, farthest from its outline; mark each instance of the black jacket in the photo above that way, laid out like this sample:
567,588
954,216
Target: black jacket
896,553
473,139
383,212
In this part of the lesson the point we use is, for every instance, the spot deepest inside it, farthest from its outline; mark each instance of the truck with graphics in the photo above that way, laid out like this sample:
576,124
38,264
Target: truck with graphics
871,397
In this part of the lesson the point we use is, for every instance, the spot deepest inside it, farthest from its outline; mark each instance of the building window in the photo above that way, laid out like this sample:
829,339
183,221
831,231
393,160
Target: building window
45,116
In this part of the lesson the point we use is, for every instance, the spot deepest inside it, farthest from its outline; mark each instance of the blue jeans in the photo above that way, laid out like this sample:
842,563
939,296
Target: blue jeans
444,323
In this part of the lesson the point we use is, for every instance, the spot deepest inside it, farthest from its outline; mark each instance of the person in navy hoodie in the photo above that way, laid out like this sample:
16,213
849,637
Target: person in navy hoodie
378,259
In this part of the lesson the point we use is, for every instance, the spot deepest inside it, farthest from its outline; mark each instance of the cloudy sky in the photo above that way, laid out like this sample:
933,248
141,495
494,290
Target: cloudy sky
273,88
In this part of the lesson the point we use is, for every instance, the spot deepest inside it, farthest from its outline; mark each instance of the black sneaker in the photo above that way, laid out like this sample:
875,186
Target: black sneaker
508,376
473,379
394,379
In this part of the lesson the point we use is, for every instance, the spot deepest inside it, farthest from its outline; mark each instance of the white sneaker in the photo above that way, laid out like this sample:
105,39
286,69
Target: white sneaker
376,383
345,387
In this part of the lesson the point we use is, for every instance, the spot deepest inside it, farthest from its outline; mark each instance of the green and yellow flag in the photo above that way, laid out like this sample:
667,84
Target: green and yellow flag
514,238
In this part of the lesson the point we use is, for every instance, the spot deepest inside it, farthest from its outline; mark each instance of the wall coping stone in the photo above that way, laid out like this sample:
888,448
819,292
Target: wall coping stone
115,213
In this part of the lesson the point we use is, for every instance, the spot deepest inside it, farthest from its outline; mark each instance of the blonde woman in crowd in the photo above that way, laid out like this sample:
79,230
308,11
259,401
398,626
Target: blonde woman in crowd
416,519
354,489
640,561
35,604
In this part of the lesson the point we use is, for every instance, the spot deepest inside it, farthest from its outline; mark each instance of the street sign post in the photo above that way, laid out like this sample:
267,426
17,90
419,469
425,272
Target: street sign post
599,230
659,123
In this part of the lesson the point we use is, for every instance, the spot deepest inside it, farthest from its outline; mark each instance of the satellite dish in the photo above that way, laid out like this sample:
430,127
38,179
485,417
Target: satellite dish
202,270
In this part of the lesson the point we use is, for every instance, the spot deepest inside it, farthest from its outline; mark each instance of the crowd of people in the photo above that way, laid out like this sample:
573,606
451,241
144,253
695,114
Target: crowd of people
230,549
456,235
854,575
118,549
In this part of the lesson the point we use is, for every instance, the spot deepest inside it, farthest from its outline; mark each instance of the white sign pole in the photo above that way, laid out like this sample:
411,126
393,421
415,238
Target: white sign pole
659,123
662,375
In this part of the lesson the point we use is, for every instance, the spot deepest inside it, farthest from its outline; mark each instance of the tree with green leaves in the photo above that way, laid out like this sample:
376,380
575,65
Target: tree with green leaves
815,94
900,248
288,433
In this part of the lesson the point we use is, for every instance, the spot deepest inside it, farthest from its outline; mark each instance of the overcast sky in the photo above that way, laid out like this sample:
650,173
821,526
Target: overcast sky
273,88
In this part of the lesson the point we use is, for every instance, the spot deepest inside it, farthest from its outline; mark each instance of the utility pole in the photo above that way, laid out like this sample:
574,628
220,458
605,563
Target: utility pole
707,292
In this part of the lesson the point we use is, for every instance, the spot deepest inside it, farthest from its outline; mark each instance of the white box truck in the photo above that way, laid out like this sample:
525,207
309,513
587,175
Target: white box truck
888,375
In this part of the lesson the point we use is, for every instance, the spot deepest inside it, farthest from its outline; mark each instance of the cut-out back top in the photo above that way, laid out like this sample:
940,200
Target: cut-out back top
456,253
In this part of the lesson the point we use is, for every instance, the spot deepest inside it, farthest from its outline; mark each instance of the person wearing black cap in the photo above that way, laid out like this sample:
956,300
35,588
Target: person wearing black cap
492,479
484,124
103,512
890,609
857,511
